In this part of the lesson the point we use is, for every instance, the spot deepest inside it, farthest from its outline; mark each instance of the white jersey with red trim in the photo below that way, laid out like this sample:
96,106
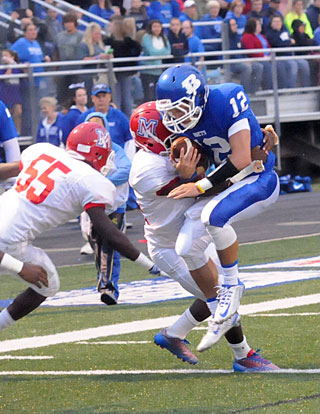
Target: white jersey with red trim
163,216
51,189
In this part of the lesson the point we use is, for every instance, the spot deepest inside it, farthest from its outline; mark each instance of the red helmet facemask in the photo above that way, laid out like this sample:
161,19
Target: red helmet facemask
148,131
91,142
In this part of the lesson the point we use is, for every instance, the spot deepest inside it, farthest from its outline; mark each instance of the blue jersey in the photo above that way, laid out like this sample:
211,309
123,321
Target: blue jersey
227,105
7,130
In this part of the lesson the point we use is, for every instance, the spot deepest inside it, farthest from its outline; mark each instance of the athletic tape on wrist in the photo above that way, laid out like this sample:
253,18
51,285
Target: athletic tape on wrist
12,264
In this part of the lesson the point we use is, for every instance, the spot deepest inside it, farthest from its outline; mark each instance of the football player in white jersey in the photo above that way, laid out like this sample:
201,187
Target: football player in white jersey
152,175
30,273
53,187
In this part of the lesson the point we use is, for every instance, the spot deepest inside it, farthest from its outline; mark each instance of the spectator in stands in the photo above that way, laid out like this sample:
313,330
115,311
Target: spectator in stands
54,24
190,13
139,12
178,41
15,29
250,74
123,43
75,106
118,122
272,9
29,50
224,7
302,39
10,92
257,12
212,31
50,129
297,12
163,10
235,12
317,35
313,12
154,43
101,8
7,6
195,45
91,48
66,49
251,39
278,36
26,16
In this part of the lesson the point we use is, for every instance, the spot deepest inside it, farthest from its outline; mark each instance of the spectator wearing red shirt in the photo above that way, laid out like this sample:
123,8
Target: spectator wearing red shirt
250,40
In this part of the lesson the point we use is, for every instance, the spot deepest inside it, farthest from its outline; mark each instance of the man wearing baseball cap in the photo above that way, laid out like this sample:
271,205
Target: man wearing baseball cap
190,13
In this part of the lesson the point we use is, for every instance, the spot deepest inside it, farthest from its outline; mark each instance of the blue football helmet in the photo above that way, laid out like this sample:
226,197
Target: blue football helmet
181,97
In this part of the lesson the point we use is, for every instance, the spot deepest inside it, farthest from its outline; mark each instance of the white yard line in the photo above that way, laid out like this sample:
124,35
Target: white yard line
114,342
275,315
3,357
162,371
144,325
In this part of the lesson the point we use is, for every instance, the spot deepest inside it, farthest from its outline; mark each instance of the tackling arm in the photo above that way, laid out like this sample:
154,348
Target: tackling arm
113,237
9,169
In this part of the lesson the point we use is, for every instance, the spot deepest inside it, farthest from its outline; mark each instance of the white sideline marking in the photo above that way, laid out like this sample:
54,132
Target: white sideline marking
144,325
24,357
114,342
272,315
162,371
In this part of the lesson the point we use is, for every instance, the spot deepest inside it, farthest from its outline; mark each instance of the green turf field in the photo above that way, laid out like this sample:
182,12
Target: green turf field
78,378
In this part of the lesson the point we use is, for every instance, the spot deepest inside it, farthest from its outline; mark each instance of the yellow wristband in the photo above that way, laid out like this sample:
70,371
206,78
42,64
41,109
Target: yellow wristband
202,191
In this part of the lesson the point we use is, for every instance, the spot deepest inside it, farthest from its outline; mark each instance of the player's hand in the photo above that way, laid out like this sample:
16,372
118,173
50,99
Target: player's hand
270,139
34,274
187,164
184,190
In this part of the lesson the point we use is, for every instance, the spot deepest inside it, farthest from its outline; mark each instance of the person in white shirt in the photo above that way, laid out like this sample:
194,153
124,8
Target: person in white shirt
53,187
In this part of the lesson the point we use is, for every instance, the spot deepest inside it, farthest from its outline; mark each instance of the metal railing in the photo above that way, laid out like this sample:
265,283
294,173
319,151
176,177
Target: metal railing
51,70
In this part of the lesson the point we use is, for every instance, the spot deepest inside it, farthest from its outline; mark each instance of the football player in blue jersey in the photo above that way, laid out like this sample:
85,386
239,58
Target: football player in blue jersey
220,119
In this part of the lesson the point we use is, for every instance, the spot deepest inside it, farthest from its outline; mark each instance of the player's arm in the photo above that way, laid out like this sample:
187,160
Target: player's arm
9,169
114,238
30,273
12,149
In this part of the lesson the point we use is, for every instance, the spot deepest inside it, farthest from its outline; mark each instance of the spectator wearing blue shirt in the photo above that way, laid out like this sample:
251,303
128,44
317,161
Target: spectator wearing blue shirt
29,50
190,13
163,10
117,121
101,8
8,136
50,129
313,13
76,106
212,31
235,12
195,45
278,36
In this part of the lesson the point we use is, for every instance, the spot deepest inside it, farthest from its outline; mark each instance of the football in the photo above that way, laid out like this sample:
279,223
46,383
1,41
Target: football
187,144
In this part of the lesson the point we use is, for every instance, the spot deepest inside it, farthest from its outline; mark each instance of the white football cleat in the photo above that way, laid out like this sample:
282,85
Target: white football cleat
216,332
228,302
86,249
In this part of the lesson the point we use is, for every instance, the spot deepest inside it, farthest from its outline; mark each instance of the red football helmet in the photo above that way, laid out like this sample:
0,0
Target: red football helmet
148,131
90,142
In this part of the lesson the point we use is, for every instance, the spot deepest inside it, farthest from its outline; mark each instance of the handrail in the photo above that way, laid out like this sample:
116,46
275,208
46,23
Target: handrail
75,8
